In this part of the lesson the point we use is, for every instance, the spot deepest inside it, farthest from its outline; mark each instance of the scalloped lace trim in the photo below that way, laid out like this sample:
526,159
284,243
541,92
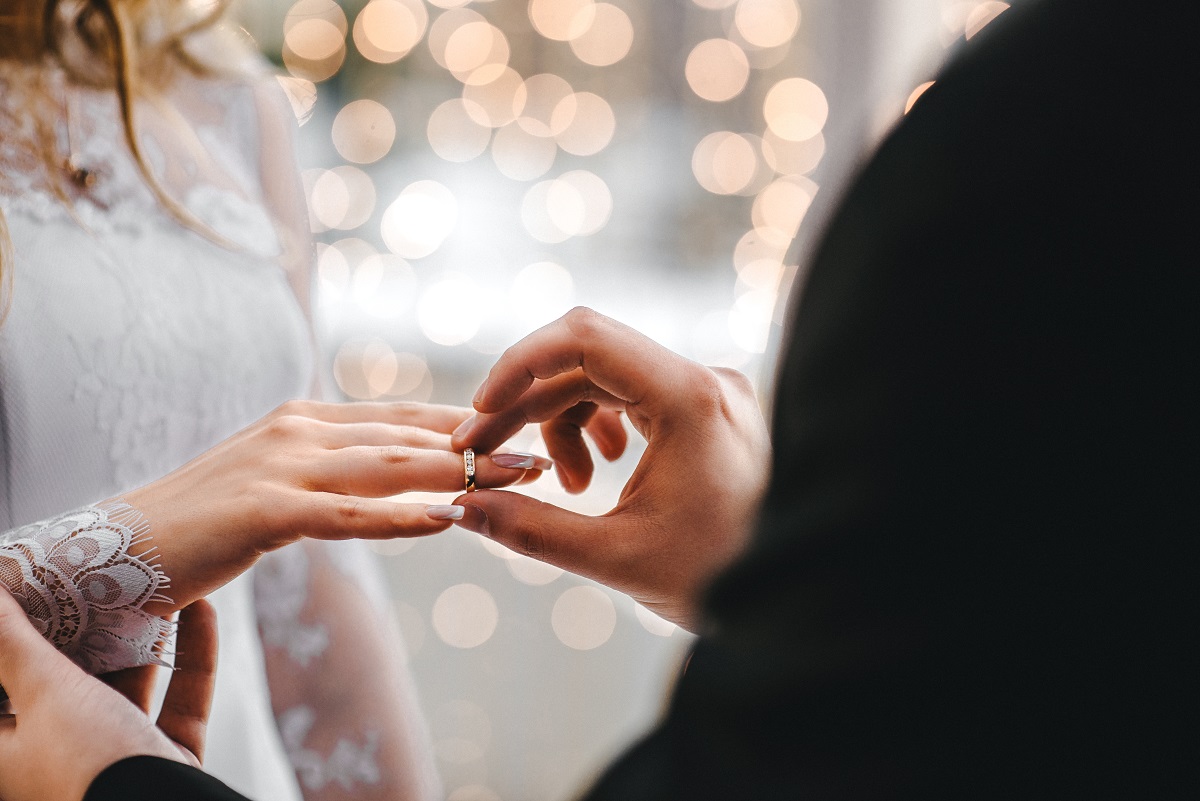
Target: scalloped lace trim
83,579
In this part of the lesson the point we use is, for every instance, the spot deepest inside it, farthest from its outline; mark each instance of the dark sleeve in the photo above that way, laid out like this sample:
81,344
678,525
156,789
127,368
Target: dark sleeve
974,572
147,778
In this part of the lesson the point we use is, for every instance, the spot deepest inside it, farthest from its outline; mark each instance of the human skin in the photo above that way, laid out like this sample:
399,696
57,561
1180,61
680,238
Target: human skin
70,726
687,510
307,469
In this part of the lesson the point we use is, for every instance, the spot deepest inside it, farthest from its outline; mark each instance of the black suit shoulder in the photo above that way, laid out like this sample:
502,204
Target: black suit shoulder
971,577
146,778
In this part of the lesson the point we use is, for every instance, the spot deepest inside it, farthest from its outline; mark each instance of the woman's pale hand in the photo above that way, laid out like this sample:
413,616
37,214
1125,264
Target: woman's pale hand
686,511
308,469
69,726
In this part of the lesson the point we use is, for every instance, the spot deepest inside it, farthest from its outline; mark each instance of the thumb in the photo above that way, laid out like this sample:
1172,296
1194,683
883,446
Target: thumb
548,533
26,659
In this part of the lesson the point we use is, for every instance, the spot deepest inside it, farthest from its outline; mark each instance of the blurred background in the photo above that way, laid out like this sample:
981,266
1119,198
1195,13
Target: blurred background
475,168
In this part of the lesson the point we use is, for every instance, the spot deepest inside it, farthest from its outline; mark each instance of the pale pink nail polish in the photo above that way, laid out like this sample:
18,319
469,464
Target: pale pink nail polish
521,461
445,512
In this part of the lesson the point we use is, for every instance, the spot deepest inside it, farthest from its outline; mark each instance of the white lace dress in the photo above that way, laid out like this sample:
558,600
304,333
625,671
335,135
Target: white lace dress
133,344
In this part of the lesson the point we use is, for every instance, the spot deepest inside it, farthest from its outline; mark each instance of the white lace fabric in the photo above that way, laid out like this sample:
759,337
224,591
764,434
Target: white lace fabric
132,345
83,579
326,626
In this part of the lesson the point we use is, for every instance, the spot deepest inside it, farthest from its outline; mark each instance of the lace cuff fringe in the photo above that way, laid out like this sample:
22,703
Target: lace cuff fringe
83,579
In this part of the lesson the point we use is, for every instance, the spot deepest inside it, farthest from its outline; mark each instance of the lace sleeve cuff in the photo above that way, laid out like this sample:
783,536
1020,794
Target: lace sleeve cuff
83,579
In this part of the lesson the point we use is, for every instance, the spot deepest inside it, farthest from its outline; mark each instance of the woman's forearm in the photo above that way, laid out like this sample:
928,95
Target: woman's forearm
85,579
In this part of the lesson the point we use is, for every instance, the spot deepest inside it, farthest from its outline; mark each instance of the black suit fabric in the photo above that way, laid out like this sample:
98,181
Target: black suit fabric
973,576
146,778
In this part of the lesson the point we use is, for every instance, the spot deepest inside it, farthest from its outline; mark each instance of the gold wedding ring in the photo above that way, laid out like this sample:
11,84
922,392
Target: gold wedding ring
469,469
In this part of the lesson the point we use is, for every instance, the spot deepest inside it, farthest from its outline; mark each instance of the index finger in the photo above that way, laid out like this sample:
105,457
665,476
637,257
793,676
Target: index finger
616,358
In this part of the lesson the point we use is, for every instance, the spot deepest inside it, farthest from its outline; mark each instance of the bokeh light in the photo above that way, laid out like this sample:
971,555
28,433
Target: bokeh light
447,25
981,16
758,244
364,131
539,99
419,220
455,133
782,205
447,312
314,39
541,293
328,198
607,39
372,370
583,618
796,109
532,572
360,197
387,30
717,70
724,163
750,320
792,158
591,193
562,20
383,286
497,101
916,95
584,122
767,23
465,616
521,155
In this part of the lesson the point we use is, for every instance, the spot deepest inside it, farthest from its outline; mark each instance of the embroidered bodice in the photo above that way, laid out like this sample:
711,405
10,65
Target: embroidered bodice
132,344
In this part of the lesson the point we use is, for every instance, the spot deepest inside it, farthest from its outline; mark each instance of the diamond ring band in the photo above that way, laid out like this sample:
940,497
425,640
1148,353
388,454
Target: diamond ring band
469,469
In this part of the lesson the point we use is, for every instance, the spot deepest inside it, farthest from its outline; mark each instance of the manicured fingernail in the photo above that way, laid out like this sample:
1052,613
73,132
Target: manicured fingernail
445,512
465,427
521,461
480,392
476,520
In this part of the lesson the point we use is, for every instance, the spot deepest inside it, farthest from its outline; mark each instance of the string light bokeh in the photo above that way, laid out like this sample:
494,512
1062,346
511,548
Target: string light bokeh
473,169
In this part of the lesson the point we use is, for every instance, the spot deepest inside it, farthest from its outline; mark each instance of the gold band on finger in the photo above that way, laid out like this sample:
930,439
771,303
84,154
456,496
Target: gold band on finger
469,469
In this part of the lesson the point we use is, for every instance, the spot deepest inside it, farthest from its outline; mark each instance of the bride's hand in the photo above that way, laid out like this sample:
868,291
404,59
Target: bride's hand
308,469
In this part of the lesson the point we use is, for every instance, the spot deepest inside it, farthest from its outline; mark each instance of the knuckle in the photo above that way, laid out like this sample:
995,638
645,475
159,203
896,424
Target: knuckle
399,517
403,411
396,454
533,543
293,408
288,427
350,510
583,322
708,390
735,380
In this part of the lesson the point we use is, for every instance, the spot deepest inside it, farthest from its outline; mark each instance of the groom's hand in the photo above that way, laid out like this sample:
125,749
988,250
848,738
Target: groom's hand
687,509
68,726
